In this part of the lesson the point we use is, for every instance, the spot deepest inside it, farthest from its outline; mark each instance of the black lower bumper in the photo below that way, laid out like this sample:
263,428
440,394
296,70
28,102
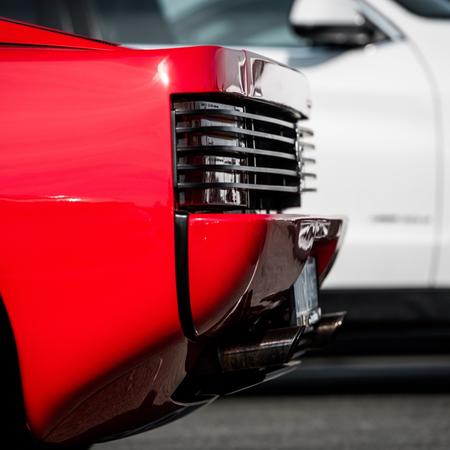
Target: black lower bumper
237,364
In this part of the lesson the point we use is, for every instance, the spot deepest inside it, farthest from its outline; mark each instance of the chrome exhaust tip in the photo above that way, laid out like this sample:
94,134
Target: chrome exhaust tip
272,348
279,346
325,329
244,362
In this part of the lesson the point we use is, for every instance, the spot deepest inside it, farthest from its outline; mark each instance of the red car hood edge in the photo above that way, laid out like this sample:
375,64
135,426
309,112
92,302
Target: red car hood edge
13,32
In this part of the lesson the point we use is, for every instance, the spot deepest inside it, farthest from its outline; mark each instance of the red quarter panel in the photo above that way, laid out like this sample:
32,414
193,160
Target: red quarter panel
86,229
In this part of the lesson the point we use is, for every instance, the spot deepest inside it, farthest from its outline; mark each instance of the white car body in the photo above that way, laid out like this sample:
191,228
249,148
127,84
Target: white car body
381,115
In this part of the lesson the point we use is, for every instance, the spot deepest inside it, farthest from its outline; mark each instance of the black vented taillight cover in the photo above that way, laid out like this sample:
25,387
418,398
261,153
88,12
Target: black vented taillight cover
233,154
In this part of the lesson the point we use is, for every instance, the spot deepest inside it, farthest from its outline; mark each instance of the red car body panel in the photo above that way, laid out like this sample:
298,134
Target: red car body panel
87,267
107,189
238,264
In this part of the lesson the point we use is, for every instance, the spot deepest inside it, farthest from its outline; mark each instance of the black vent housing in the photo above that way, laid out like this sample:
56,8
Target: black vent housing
234,154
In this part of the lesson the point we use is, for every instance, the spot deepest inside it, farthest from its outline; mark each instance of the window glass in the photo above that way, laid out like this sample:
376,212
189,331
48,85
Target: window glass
132,21
23,10
49,13
435,9
225,22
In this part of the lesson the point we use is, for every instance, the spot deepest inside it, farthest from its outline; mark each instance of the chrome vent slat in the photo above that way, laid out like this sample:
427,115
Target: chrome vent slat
306,145
306,132
254,187
218,149
243,115
234,168
239,154
229,130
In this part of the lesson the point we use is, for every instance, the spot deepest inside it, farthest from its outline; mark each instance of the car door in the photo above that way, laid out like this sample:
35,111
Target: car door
376,151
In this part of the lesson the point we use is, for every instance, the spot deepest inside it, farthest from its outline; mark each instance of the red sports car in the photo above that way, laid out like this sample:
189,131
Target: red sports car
144,267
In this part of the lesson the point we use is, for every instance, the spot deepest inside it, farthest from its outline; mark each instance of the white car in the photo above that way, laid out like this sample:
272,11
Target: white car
380,77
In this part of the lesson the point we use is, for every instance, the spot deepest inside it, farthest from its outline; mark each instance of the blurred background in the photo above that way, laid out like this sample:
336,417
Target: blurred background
379,72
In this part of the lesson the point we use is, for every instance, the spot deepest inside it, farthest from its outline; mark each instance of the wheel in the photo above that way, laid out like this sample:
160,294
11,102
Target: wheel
12,426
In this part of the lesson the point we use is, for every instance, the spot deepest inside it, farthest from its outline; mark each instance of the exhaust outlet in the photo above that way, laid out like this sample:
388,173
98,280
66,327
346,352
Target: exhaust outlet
277,347
242,363
273,348
325,329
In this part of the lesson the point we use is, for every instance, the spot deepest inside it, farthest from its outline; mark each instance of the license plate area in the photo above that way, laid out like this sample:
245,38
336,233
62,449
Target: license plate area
306,295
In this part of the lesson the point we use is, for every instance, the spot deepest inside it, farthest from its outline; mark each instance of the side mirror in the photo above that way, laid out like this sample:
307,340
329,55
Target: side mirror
331,23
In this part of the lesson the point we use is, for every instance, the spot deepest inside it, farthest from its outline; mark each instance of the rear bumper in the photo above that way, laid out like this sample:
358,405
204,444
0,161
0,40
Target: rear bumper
231,268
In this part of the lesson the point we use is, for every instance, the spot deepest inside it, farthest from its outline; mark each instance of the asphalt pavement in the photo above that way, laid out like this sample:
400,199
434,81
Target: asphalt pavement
366,403
353,422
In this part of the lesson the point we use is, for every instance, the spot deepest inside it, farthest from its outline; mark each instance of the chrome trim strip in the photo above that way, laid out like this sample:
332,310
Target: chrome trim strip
235,168
254,187
218,149
235,131
244,115
273,82
306,145
304,131
254,76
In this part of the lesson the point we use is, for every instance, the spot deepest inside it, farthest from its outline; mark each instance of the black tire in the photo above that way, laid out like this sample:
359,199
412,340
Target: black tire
24,441
14,435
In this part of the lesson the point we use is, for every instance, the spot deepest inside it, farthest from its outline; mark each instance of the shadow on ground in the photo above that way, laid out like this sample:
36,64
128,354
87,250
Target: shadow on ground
355,405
